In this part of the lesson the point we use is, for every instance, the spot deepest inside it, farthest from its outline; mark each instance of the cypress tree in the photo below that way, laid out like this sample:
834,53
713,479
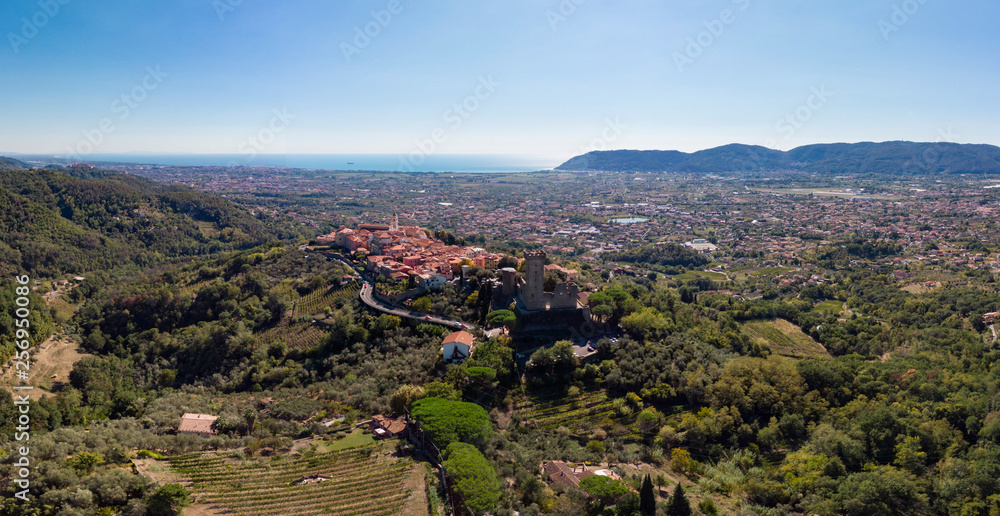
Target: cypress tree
679,505
647,499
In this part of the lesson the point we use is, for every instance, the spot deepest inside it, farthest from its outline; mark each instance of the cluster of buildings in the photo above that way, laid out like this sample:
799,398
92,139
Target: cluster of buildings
399,252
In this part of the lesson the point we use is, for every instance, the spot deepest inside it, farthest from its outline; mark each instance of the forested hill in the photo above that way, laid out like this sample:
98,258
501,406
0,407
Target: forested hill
895,158
79,219
12,164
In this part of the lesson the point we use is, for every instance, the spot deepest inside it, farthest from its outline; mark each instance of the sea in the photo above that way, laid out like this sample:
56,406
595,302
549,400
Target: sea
459,163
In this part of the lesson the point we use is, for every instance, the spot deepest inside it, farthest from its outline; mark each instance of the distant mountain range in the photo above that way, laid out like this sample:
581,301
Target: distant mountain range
896,158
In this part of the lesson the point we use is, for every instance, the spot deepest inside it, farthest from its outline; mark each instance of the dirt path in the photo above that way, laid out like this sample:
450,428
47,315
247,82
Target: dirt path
160,473
414,482
56,356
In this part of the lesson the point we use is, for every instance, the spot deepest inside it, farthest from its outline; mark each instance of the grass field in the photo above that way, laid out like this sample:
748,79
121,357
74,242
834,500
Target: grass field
785,339
361,480
358,437
830,307
690,275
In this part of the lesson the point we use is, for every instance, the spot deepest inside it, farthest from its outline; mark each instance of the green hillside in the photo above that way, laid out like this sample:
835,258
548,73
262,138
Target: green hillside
53,222
12,164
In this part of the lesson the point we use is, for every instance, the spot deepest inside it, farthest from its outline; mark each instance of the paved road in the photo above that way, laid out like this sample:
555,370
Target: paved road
368,298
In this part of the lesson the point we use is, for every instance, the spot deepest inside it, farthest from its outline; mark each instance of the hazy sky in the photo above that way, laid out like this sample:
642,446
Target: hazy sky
540,77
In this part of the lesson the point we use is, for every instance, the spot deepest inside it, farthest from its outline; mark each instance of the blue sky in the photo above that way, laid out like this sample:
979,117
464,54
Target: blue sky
554,78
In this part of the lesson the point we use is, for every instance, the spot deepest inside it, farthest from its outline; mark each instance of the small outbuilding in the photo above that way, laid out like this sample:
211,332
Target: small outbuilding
197,424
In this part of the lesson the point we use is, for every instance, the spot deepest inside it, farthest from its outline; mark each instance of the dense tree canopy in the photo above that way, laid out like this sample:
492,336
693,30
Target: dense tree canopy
449,422
474,478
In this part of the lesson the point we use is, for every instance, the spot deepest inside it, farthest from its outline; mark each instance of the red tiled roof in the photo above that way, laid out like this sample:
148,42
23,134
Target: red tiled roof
462,337
393,426
197,423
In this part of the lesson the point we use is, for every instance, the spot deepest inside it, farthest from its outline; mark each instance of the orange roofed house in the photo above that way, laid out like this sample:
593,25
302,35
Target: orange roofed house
570,475
197,424
458,346
385,427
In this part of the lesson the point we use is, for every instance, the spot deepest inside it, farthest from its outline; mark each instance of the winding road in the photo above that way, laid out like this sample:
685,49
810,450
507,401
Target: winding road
368,298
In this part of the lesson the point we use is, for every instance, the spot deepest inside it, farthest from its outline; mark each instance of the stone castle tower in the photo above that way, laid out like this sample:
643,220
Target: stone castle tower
533,292
509,287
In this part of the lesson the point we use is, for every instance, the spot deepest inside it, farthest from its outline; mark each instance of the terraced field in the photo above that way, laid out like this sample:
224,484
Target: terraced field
315,303
361,481
581,414
785,339
297,336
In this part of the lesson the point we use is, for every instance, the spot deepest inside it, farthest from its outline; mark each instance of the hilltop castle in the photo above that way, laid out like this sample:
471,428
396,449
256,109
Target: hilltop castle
532,294
538,307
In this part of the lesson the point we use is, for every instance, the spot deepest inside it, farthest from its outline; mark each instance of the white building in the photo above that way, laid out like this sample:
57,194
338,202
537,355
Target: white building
458,346
431,281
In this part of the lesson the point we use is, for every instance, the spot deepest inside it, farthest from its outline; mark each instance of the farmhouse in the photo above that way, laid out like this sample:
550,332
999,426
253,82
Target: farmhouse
561,473
991,317
385,427
197,424
458,346
570,475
